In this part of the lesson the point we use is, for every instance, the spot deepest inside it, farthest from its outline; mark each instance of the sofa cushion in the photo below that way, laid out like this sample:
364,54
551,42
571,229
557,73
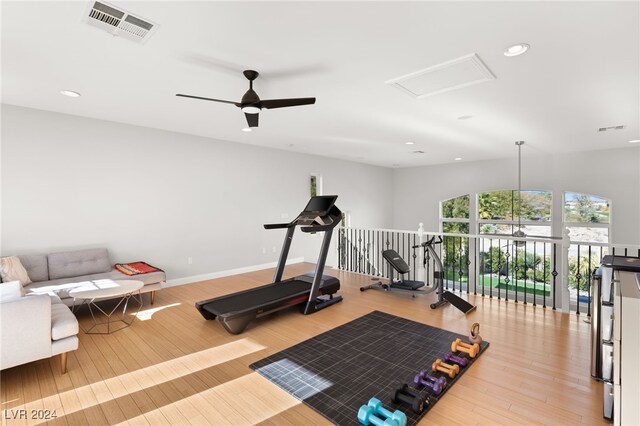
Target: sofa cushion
11,269
11,290
36,266
78,263
63,322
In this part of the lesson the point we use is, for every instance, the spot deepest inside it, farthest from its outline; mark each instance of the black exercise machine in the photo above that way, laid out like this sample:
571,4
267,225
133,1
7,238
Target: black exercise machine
414,287
312,291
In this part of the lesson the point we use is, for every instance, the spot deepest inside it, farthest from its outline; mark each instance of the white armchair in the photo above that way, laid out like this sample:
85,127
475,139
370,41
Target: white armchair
34,327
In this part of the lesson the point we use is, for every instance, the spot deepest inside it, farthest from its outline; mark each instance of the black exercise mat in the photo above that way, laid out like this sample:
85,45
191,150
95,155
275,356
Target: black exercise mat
338,371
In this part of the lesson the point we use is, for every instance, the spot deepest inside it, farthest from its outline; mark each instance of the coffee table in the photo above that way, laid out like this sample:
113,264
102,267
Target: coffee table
90,292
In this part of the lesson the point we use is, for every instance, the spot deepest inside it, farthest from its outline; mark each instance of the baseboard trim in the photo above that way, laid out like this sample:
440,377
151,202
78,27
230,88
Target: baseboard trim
227,273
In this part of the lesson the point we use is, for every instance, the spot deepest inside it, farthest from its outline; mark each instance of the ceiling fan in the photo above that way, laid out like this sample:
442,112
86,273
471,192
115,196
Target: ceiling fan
251,104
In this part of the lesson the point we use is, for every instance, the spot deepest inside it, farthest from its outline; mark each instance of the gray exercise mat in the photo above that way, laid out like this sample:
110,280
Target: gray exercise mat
338,371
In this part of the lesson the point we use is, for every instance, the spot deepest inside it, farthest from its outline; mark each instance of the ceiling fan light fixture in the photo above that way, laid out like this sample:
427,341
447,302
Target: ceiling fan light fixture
70,93
516,49
251,110
247,129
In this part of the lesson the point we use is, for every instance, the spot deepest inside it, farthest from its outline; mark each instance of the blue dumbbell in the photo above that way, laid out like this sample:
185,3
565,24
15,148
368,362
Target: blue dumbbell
397,416
367,416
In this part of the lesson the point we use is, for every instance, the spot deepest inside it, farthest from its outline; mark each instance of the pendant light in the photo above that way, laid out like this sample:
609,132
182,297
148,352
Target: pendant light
519,233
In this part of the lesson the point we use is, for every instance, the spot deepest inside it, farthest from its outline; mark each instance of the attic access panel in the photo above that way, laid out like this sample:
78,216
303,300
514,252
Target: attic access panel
451,75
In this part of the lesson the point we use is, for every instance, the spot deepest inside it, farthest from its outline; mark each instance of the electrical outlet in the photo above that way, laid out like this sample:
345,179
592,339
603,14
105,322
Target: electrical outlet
190,260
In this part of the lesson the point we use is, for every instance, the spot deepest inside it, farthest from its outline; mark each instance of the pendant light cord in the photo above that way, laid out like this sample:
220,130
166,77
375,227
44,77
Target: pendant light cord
520,143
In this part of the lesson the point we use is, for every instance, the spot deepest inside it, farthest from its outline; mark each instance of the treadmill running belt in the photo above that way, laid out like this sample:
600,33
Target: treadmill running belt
258,296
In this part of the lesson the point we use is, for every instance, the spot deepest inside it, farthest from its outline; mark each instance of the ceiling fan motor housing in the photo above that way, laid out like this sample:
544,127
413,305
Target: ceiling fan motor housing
250,98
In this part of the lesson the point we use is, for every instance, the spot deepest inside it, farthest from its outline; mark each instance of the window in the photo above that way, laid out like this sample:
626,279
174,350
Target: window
315,184
454,214
587,217
498,212
454,219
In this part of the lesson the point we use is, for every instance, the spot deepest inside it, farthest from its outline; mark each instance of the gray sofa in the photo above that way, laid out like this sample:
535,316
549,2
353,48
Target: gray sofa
57,273
34,327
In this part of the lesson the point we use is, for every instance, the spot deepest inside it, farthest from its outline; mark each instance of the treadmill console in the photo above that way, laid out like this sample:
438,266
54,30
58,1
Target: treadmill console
319,205
319,211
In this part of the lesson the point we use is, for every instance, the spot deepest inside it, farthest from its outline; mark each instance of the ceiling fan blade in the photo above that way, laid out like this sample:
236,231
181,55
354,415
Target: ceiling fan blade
252,119
207,99
283,103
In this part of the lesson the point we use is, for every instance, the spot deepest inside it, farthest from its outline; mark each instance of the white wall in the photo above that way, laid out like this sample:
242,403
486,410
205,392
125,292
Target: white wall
613,174
71,182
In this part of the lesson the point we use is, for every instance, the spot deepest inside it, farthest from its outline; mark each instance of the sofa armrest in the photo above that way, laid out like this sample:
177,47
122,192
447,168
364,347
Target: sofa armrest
25,330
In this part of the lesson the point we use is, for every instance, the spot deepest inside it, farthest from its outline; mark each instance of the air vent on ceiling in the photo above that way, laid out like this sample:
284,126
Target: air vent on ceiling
118,22
444,77
604,129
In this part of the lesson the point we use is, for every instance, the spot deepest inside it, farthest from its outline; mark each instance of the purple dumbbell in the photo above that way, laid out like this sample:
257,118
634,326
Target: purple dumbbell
451,358
425,375
423,379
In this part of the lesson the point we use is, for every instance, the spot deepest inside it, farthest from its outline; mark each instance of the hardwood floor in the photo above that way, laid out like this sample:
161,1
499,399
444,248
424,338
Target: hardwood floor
173,367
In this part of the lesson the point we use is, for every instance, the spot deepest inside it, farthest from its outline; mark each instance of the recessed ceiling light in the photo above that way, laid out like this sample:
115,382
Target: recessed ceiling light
246,129
457,159
290,145
70,93
635,141
465,117
516,49
408,143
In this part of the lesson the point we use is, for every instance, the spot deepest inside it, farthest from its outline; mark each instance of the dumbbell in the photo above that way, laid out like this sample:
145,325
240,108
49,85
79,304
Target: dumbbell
397,416
448,369
451,358
425,375
474,334
367,416
404,393
423,379
471,350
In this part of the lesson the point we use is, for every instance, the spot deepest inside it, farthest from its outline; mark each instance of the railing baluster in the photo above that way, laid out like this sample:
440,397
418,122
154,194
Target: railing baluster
413,255
544,275
554,273
587,277
507,279
516,269
535,269
578,276
491,251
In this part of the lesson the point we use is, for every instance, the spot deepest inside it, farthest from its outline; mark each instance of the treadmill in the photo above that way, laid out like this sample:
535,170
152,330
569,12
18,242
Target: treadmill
312,291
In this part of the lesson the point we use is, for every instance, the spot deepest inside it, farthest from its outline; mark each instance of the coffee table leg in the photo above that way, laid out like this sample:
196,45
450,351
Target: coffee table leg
125,300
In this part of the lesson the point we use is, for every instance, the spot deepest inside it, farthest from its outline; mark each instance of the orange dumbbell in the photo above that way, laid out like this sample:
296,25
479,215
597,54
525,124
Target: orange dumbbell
471,350
448,369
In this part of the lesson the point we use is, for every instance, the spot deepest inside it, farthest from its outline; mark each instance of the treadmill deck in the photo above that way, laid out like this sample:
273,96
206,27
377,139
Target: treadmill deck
262,298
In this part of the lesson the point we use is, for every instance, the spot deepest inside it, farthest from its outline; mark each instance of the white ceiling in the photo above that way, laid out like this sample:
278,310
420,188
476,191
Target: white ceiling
582,72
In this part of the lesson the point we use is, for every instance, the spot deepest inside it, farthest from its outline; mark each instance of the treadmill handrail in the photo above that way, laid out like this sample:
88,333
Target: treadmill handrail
278,225
318,228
